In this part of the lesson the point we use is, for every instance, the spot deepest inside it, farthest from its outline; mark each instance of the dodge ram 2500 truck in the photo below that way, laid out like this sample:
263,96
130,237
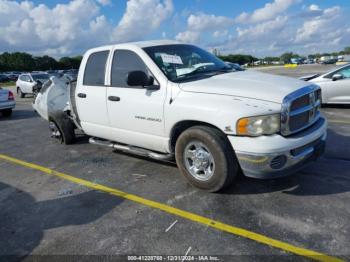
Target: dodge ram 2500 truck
164,99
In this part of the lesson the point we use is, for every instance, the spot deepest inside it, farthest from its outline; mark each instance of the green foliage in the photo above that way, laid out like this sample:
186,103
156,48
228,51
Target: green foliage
70,62
45,63
25,62
270,59
16,61
347,50
239,59
286,57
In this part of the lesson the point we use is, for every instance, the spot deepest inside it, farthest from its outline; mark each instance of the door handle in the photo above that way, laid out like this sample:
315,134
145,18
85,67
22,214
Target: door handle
114,98
81,95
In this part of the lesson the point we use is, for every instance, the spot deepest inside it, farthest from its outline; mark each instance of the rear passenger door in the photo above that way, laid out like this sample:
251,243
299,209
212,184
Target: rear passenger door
90,94
136,116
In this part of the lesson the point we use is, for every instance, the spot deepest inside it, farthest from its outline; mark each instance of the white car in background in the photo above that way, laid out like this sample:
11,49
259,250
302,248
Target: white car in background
26,82
335,85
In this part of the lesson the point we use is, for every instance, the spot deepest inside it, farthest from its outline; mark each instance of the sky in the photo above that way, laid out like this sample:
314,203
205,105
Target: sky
257,27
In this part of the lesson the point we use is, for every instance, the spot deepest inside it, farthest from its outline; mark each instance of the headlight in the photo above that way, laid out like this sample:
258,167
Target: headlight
258,125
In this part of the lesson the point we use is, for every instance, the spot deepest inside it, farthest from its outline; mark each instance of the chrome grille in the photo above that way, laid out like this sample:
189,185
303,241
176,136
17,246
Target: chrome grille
300,109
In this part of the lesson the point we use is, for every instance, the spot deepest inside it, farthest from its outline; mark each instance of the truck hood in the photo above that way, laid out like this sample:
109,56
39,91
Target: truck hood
250,84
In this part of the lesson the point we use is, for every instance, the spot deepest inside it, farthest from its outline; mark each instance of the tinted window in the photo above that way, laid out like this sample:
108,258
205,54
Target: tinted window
94,74
125,61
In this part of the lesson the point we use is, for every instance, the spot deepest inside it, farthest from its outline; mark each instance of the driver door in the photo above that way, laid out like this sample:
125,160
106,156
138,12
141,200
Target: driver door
136,114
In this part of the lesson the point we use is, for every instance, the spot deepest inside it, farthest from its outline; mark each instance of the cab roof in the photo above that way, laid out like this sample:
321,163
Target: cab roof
141,44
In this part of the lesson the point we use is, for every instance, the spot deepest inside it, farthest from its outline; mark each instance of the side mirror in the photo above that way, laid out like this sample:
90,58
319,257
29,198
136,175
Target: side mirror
337,77
139,78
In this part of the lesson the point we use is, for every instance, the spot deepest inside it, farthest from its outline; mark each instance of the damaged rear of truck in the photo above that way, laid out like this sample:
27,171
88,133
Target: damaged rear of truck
53,103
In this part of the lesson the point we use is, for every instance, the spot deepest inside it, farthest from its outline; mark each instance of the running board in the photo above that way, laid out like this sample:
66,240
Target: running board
131,149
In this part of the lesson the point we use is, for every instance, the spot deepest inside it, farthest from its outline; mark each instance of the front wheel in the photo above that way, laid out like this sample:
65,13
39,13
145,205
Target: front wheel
205,157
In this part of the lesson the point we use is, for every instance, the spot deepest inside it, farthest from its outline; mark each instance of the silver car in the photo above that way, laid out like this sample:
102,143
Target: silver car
7,102
335,85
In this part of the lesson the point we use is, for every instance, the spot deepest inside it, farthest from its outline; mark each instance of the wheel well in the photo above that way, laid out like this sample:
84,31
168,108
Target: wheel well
181,127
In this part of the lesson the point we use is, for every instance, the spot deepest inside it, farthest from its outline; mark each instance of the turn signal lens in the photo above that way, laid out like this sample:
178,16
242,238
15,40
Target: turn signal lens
242,126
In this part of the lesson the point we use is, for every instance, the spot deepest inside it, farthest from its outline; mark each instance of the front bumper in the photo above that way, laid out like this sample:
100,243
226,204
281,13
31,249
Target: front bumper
277,156
7,105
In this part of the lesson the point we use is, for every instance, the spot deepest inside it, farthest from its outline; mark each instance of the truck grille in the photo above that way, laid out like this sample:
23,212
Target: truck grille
300,109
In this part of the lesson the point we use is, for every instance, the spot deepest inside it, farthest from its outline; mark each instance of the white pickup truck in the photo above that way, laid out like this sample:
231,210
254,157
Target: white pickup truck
165,100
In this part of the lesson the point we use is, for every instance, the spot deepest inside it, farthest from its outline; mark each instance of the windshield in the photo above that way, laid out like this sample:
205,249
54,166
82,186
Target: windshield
40,76
184,62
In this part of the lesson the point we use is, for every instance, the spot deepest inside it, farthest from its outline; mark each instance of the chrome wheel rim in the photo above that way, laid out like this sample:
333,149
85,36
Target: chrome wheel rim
55,132
199,161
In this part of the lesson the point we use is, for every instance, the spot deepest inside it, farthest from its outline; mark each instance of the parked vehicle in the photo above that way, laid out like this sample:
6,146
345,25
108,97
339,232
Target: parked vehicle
27,82
335,85
7,102
344,58
69,77
297,61
166,100
235,66
4,78
12,77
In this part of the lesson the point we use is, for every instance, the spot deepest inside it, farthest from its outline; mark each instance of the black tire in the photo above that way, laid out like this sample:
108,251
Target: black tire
6,112
65,126
225,161
20,93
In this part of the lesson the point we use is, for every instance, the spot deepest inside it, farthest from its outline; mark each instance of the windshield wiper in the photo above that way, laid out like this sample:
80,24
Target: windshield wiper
200,72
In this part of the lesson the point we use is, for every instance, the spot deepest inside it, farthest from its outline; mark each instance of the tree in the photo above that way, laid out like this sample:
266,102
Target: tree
70,62
347,50
270,59
286,57
239,59
45,63
17,61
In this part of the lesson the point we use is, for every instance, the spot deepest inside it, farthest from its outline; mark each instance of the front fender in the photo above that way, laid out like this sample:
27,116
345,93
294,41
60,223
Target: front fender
221,111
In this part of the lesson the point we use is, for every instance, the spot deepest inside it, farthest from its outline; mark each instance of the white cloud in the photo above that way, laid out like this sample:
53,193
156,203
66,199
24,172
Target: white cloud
311,30
72,28
314,7
269,11
201,23
188,36
265,28
324,27
219,33
204,22
141,18
104,2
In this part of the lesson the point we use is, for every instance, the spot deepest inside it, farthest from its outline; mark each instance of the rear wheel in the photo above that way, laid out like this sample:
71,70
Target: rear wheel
6,112
206,159
20,93
62,129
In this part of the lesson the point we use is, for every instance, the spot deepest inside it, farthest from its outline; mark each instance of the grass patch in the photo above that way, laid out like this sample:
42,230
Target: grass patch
6,84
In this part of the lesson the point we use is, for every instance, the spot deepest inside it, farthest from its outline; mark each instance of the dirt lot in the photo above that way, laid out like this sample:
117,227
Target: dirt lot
100,204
